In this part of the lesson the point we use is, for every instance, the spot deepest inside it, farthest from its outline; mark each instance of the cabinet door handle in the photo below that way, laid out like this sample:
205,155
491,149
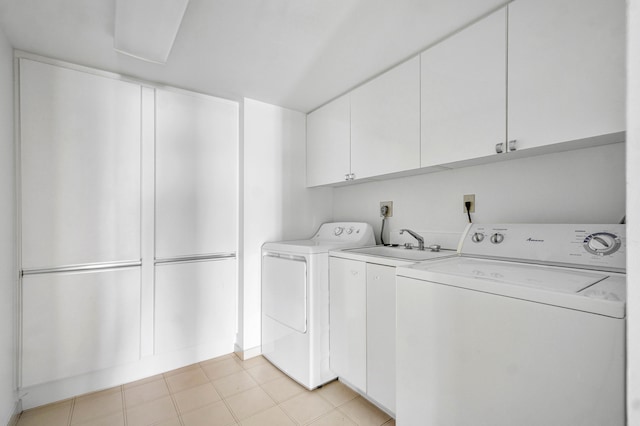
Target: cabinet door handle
347,176
499,148
354,273
512,145
353,176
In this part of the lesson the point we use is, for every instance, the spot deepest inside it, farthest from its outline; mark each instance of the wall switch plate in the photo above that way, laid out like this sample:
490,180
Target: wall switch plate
389,205
472,199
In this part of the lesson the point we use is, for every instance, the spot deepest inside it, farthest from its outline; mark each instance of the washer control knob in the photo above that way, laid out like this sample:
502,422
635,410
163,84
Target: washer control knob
602,243
338,231
477,237
497,238
349,230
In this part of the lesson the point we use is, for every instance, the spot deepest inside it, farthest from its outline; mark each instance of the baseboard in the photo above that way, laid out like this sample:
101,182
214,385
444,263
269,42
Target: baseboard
247,353
17,410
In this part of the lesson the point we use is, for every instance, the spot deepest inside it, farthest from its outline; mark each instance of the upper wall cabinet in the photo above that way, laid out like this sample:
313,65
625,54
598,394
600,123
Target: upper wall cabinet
463,94
196,174
566,70
546,74
328,143
385,123
80,167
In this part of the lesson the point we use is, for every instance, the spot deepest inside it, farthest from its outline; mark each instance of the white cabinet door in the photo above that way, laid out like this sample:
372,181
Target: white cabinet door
463,93
566,70
385,122
328,143
196,174
195,305
381,334
348,320
80,167
78,322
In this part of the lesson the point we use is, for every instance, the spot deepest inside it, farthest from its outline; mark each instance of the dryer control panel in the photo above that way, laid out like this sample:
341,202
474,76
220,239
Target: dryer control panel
599,247
349,232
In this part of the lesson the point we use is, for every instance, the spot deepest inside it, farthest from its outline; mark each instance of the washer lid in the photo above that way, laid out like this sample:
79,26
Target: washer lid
562,280
575,289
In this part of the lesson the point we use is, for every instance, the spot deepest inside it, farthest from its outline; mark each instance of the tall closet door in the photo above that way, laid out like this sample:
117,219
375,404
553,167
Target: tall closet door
196,174
195,306
80,167
77,322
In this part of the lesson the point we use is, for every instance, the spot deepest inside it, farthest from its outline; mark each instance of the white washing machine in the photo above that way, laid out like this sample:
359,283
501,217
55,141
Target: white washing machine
295,300
526,327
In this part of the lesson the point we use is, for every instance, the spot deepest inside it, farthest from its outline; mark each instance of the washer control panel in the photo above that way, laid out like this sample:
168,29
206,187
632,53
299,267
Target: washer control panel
600,247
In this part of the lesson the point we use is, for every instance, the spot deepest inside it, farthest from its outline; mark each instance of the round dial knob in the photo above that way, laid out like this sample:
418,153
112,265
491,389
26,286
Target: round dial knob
602,243
349,231
338,231
477,237
497,238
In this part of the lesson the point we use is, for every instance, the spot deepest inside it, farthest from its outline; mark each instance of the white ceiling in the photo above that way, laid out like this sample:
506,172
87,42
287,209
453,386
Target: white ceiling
294,53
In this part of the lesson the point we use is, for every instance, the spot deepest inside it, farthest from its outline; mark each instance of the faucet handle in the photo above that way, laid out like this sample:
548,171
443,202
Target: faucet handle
408,246
434,247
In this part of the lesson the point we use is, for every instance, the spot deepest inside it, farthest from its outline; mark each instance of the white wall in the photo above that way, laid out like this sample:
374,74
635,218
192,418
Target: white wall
633,210
582,186
275,203
7,236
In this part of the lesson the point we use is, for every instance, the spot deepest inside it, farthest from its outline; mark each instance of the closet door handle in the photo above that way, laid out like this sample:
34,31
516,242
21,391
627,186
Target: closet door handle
499,148
512,145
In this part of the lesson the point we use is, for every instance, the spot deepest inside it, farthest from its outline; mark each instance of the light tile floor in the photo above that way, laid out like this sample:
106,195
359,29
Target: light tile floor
223,391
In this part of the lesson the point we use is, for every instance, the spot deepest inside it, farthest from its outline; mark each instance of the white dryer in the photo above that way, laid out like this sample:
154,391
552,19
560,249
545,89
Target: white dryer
295,300
526,327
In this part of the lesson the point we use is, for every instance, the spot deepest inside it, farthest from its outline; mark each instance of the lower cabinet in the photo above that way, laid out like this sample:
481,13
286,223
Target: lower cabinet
362,322
195,305
348,320
78,322
381,334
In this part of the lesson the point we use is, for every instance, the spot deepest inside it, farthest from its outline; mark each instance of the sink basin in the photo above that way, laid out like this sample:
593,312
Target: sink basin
401,252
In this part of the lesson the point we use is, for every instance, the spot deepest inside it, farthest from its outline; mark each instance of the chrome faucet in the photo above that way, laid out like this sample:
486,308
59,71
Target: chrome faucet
416,236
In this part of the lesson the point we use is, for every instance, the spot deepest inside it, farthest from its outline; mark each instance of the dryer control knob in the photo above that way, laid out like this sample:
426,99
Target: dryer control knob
338,231
477,237
497,238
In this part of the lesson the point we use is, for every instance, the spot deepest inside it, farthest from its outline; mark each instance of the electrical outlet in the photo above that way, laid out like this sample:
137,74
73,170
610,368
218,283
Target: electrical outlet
471,198
389,206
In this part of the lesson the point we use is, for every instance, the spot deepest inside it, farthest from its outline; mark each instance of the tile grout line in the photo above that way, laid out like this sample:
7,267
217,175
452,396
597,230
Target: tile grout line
124,405
223,399
173,400
314,391
73,405
277,404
